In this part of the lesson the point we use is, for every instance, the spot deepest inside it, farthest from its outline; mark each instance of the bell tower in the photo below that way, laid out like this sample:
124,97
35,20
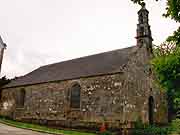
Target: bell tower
144,37
2,47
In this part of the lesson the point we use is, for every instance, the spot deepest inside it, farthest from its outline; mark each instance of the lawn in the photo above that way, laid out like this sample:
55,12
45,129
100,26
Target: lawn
44,129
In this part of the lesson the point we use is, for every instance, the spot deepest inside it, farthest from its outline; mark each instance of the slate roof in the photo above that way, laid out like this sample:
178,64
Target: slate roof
98,64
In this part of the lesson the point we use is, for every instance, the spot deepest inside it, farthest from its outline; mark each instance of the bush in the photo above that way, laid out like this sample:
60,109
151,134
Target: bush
151,130
139,124
105,133
175,126
145,129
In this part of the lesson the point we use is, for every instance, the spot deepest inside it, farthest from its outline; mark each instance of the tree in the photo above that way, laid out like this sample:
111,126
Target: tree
4,81
167,69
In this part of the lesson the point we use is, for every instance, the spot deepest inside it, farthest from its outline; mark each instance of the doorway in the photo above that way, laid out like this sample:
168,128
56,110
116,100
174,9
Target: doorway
151,110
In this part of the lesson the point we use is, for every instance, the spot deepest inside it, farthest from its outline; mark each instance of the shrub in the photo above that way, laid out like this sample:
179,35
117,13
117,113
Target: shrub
151,130
145,129
175,126
105,133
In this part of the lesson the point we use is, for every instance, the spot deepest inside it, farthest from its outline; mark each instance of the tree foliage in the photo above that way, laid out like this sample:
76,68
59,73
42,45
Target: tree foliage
175,38
4,81
167,69
173,10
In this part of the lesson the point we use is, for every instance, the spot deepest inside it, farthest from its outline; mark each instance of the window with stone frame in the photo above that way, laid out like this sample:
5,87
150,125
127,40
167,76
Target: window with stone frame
21,98
75,96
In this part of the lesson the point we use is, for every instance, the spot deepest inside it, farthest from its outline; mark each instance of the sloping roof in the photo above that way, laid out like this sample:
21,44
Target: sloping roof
103,63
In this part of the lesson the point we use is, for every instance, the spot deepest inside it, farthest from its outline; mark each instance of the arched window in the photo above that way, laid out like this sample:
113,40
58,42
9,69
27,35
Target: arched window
21,98
75,96
151,110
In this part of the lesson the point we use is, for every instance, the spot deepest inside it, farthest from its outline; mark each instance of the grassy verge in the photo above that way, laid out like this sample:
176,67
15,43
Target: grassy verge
39,128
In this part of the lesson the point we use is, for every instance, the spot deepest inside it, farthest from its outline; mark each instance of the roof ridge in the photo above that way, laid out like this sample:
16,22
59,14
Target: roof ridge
83,57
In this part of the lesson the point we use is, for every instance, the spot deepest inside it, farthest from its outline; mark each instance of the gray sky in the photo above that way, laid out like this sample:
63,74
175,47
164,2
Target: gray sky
40,32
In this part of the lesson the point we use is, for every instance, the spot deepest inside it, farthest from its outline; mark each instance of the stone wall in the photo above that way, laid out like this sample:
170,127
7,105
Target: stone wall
118,99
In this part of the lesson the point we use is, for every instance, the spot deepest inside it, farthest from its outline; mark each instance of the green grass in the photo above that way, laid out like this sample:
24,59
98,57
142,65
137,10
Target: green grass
39,128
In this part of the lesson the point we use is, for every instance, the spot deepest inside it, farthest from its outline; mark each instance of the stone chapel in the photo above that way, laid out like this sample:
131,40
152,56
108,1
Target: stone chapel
114,87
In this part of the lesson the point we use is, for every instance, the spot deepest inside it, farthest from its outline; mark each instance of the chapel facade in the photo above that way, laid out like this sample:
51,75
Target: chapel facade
114,87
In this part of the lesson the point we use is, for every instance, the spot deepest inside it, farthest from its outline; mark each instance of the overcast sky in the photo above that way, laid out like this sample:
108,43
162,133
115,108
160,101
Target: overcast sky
40,32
